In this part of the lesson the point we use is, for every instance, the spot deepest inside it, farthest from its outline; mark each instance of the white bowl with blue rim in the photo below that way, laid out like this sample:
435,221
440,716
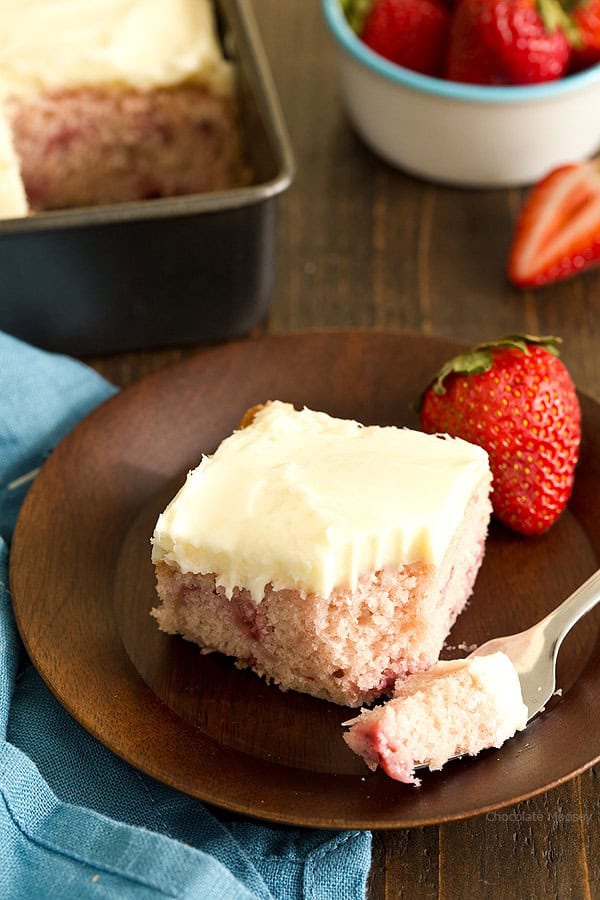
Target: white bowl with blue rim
464,134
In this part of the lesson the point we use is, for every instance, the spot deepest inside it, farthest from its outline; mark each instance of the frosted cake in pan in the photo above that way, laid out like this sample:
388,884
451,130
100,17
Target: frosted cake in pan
115,100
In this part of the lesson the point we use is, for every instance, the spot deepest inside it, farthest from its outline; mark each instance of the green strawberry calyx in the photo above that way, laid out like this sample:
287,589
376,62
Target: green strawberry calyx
556,17
481,357
356,11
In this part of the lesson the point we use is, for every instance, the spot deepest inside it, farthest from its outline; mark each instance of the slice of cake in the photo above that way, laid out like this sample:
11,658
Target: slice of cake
330,557
117,100
460,706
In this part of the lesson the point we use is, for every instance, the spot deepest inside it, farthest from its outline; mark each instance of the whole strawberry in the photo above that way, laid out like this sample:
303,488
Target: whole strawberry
515,399
410,33
509,41
586,15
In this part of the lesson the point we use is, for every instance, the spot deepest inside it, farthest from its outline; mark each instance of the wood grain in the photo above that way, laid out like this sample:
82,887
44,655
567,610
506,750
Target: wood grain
363,244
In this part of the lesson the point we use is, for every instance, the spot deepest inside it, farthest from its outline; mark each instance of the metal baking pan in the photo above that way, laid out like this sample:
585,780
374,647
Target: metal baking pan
189,269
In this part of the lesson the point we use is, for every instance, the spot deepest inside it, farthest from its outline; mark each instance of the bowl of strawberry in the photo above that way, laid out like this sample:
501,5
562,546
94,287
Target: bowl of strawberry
476,93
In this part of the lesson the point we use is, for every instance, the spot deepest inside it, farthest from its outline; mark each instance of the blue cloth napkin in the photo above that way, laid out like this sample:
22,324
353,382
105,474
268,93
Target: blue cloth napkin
76,821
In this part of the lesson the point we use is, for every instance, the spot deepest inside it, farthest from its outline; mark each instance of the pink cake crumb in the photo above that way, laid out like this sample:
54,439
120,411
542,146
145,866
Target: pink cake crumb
457,707
90,146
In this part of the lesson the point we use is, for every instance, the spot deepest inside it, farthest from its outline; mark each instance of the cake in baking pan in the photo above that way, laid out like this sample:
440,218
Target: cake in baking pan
328,556
115,100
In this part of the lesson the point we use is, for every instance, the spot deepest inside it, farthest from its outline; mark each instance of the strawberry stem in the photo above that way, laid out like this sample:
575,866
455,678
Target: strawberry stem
521,341
556,18
356,11
480,358
477,360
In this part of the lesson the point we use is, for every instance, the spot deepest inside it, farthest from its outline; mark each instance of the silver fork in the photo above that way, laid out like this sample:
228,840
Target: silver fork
533,652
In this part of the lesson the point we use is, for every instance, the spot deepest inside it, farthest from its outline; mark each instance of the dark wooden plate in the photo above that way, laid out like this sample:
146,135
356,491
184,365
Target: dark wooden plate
82,585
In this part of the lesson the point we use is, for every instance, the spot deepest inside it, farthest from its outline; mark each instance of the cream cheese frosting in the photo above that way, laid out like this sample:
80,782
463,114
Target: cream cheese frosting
48,45
496,674
302,500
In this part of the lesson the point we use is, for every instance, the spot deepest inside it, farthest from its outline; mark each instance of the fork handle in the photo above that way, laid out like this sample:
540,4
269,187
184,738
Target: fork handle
564,617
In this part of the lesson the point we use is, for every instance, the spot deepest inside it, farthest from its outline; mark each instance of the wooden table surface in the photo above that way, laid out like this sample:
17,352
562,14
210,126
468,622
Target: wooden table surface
361,244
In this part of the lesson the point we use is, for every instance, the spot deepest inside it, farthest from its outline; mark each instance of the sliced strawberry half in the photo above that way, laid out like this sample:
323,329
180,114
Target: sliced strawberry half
558,231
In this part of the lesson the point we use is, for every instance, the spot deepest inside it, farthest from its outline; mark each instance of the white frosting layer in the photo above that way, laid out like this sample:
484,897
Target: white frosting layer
306,501
13,202
497,676
145,44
